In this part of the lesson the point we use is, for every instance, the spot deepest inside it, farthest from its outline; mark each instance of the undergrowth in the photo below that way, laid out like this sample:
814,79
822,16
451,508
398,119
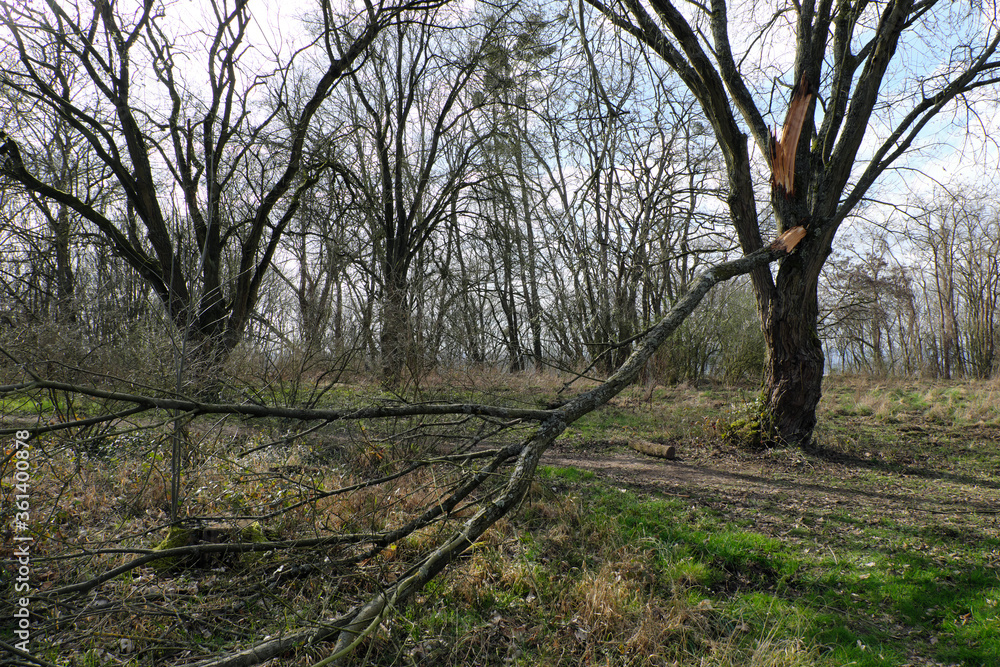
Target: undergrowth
897,564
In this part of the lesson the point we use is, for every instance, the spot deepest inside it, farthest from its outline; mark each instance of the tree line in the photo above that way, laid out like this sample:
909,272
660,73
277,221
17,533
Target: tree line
923,303
419,184
462,196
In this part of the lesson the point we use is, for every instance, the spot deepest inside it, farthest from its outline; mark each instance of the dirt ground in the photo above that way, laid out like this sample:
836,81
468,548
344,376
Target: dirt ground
779,490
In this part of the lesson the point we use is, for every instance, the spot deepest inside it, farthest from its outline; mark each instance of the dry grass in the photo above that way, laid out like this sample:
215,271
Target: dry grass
116,495
769,650
975,402
572,590
557,584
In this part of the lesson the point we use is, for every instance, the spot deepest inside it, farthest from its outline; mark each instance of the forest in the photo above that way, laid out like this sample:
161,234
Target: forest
430,332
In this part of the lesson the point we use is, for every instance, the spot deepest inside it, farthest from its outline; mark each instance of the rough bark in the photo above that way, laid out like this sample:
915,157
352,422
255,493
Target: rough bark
396,338
793,374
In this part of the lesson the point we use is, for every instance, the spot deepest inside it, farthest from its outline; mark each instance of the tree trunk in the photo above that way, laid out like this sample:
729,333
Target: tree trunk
530,283
65,280
394,340
789,313
793,374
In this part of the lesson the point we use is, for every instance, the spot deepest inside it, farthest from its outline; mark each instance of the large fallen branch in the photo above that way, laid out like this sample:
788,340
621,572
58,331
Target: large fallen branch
351,627
194,408
369,616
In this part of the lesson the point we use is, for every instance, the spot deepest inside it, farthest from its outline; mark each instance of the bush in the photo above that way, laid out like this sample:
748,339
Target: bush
722,339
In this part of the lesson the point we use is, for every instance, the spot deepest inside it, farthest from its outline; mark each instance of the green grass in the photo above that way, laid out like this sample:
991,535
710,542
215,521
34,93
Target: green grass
585,587
566,474
890,591
844,584
878,547
20,403
686,413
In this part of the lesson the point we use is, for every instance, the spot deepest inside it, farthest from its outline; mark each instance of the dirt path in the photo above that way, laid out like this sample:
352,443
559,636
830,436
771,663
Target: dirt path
777,492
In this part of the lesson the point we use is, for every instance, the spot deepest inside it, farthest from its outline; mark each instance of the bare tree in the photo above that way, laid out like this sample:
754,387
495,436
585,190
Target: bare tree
853,61
409,158
955,239
474,461
979,285
870,313
199,211
468,480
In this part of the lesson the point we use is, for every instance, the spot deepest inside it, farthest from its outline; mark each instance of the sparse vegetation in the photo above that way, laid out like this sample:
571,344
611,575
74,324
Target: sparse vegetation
879,547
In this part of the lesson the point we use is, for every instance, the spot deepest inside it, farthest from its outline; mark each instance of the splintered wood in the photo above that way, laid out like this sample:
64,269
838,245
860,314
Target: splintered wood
789,239
783,148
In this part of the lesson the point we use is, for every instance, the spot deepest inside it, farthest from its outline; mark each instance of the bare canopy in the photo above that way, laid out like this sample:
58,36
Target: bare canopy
901,62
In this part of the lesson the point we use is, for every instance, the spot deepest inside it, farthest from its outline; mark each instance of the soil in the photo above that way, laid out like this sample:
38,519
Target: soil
765,488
